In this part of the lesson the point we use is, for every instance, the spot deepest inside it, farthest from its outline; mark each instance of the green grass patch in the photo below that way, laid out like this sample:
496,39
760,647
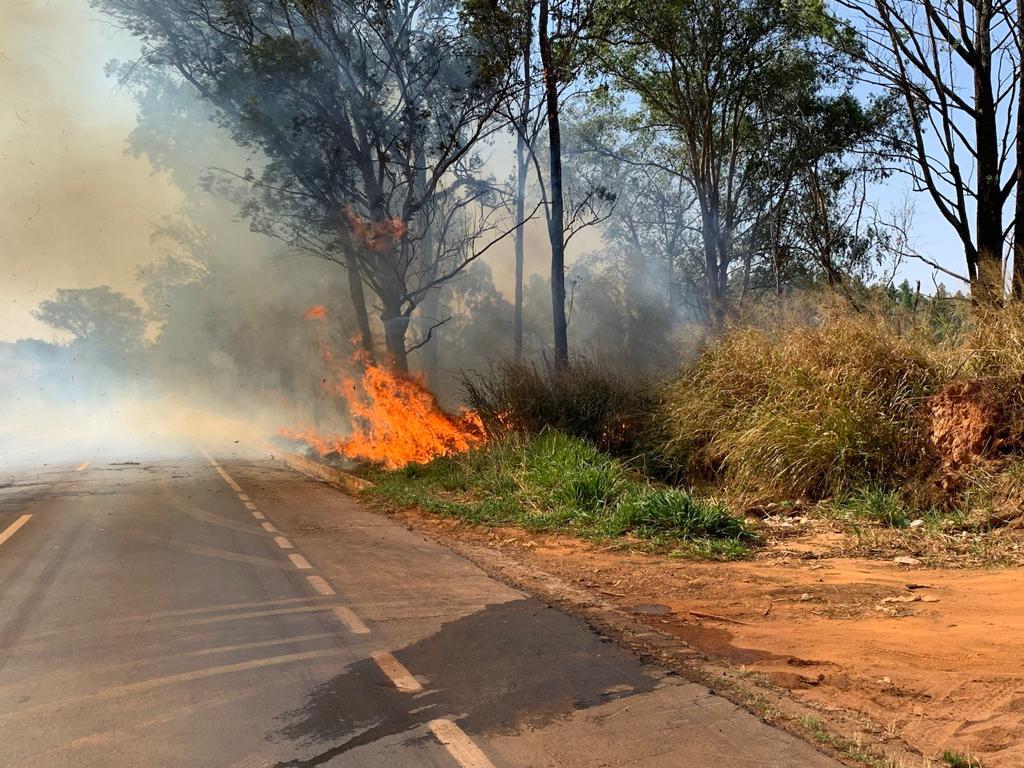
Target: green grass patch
958,760
875,504
553,482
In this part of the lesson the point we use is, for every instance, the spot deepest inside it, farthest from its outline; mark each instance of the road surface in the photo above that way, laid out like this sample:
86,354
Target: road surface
228,613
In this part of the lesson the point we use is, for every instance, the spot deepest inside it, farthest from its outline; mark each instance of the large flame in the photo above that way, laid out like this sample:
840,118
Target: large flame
395,419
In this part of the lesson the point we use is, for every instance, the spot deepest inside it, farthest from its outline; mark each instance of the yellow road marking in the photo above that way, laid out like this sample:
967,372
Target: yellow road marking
13,528
352,622
250,505
397,673
269,528
300,562
243,497
321,586
282,542
259,515
459,745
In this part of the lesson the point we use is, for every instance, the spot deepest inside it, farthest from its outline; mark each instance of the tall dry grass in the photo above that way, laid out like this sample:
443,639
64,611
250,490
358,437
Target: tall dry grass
585,399
806,405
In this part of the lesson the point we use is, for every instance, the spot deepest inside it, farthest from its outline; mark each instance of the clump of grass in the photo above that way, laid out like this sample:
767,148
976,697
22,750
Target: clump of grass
583,399
553,482
876,504
806,411
852,749
993,345
959,760
650,512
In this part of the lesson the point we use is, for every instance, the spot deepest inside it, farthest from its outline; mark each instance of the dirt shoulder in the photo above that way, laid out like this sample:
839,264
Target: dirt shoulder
866,657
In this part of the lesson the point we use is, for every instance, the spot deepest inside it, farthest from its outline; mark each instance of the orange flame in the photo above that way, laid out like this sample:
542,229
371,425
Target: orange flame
377,236
395,419
316,312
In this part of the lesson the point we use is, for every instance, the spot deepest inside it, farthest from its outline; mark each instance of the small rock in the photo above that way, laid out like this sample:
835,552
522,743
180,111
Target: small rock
929,599
903,599
904,560
805,597
919,523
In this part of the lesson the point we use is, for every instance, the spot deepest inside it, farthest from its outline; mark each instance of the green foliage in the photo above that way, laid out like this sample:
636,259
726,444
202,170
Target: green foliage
553,482
650,512
877,504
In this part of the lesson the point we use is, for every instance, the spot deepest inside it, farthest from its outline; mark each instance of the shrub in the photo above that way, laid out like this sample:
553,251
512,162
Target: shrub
649,512
809,410
584,400
879,505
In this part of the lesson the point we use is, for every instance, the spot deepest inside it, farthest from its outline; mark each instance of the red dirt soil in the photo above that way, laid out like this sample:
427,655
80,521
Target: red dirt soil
932,656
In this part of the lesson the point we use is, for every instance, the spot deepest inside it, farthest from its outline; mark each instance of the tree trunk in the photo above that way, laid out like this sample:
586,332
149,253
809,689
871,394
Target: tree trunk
355,289
395,326
1018,207
556,222
988,288
712,265
522,168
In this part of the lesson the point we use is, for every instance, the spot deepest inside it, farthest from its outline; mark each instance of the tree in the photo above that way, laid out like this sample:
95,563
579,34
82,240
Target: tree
368,116
956,67
561,29
102,322
747,103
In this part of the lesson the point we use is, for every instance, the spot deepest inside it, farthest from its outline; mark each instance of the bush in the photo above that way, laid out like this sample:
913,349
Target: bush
649,512
993,346
807,411
878,505
584,400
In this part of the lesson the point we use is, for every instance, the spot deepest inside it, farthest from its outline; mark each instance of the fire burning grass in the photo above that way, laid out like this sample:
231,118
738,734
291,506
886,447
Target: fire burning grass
395,419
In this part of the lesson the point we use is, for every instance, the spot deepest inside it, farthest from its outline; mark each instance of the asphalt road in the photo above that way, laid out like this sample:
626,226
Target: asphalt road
229,613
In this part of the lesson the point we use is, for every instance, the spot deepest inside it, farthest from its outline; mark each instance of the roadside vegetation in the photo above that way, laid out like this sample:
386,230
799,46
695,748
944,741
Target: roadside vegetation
900,424
551,481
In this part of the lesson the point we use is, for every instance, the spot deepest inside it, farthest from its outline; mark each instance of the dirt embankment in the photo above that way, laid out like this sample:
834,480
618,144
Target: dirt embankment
907,656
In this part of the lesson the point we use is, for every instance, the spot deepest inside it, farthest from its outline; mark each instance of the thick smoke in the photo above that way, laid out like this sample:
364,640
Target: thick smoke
140,308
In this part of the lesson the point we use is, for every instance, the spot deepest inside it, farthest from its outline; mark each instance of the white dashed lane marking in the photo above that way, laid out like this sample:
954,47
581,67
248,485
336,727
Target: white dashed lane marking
352,622
462,748
459,745
300,562
397,673
321,586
